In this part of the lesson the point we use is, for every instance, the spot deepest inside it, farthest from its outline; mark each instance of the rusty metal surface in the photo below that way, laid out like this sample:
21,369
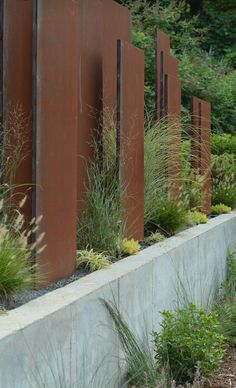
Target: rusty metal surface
56,125
101,23
201,145
173,109
131,136
162,45
17,88
117,26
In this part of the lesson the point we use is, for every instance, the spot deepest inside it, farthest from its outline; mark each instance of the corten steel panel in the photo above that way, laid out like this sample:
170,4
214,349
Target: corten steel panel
196,134
56,124
162,45
173,111
130,125
201,145
17,88
90,33
117,26
100,24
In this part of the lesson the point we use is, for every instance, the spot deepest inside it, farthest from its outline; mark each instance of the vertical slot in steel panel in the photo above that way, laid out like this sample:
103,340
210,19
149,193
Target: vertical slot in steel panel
201,145
174,119
162,45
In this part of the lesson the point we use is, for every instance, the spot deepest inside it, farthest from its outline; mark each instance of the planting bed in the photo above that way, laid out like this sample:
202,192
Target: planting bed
225,375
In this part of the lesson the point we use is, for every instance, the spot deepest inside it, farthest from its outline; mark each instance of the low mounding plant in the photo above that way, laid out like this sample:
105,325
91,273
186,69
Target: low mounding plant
155,238
129,247
189,337
196,218
92,260
220,209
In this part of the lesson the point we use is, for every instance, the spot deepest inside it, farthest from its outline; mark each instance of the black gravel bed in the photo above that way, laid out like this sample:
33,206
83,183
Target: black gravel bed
20,299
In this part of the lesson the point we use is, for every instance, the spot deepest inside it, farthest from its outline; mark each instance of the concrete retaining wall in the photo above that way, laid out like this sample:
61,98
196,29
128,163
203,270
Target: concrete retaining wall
65,339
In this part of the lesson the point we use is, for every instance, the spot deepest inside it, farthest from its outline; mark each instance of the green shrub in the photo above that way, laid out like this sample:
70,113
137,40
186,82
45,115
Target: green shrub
220,209
92,260
196,218
222,144
169,217
189,337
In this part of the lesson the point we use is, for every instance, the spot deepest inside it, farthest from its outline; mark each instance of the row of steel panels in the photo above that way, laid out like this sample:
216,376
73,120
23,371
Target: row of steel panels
63,81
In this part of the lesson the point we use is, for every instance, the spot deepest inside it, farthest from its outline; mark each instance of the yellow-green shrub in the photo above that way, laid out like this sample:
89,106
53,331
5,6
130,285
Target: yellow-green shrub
129,247
220,209
196,218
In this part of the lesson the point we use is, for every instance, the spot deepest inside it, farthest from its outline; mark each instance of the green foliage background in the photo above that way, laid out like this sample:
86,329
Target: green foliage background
203,38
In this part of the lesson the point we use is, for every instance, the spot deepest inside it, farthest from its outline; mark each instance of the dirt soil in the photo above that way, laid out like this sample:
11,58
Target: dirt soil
225,375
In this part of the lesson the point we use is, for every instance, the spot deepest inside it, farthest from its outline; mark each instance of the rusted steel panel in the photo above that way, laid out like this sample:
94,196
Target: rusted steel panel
101,23
196,133
130,124
162,45
170,65
90,34
17,90
56,123
201,145
117,26
173,110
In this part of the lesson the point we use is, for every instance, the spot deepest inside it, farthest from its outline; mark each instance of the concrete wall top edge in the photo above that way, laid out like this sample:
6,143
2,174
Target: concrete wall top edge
48,304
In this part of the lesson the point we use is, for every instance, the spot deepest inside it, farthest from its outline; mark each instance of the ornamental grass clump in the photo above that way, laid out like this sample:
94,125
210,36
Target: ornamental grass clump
99,226
225,307
17,272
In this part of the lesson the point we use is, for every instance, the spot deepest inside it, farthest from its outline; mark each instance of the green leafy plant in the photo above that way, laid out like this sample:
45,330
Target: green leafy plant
155,238
189,337
128,247
225,143
92,260
196,218
220,209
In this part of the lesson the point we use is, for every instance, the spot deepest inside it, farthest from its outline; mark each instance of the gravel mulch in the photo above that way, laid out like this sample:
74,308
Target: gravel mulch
225,375
20,299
